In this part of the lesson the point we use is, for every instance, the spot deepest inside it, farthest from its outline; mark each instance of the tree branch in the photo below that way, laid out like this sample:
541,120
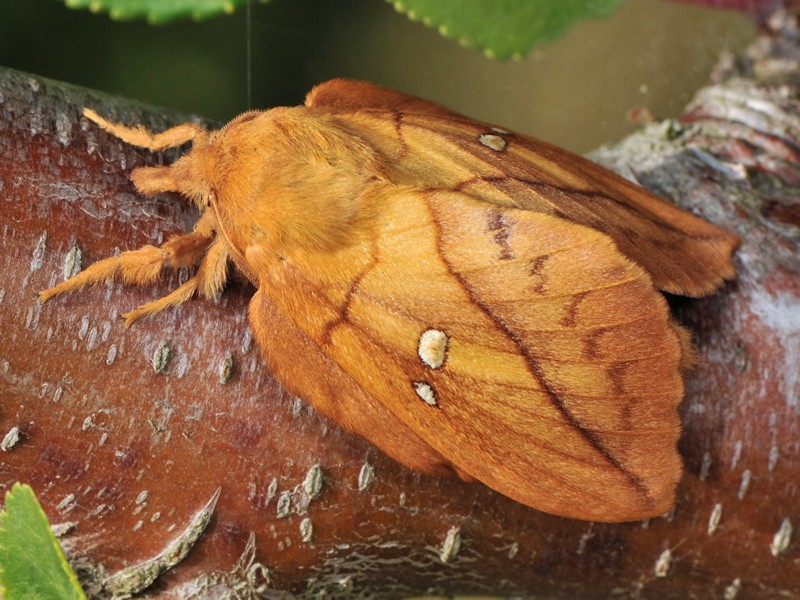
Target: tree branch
129,458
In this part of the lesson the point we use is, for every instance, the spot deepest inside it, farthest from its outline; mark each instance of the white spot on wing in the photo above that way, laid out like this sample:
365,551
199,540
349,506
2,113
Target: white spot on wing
433,348
495,142
425,392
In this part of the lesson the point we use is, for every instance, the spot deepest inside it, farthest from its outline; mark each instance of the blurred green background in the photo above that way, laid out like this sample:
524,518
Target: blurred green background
575,92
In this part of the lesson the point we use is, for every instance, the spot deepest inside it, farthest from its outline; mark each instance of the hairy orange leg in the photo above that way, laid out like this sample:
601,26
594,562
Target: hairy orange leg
144,265
208,281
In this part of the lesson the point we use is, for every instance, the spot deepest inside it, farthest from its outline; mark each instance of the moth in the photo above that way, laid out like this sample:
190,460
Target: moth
473,301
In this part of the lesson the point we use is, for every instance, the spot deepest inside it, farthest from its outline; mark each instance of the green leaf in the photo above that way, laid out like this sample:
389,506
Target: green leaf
32,565
503,28
158,11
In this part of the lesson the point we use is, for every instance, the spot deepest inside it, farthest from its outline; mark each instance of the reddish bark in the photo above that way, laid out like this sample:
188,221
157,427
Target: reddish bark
129,456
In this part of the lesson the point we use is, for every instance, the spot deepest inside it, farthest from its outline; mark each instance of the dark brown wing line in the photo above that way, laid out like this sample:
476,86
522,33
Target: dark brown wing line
343,319
344,310
544,188
468,145
536,371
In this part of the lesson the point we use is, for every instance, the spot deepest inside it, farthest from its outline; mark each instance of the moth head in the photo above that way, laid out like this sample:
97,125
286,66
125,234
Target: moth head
200,170
185,176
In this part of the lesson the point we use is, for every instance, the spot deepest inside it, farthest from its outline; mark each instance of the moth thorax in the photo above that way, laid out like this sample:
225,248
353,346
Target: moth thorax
320,199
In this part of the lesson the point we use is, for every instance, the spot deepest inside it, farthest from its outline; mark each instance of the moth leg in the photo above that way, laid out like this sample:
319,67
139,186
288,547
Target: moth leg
213,271
209,280
144,265
174,298
139,136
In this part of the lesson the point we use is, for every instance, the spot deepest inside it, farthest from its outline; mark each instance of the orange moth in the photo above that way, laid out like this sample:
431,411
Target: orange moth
471,300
